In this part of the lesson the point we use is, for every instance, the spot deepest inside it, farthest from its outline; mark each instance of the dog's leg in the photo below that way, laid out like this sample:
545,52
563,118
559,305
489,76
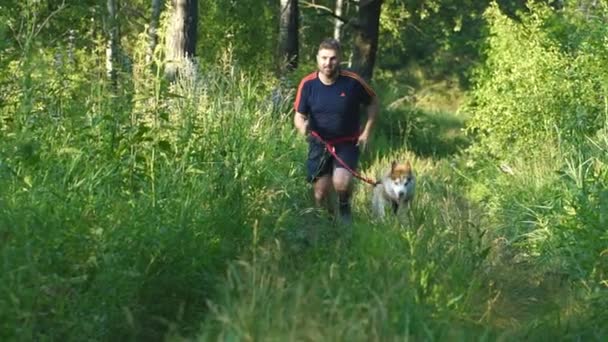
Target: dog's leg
381,209
395,207
378,202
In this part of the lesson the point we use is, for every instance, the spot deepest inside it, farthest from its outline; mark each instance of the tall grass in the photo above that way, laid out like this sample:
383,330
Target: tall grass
545,211
539,170
117,217
490,250
389,281
149,211
421,276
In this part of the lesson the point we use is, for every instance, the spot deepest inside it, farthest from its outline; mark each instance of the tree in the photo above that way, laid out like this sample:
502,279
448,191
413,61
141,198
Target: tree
288,35
337,21
366,37
181,37
112,48
152,35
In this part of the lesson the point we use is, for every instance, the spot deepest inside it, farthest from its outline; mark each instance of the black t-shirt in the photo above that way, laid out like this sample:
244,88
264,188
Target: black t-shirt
333,110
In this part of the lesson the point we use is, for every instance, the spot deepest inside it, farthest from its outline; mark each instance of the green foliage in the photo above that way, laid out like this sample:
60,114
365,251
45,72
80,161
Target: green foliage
581,235
538,166
444,36
536,86
243,32
547,210
142,210
119,211
390,281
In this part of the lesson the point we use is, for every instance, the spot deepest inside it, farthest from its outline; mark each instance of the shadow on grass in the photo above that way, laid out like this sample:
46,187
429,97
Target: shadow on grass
426,133
437,134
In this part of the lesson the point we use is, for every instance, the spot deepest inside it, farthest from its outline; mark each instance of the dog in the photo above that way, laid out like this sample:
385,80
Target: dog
395,189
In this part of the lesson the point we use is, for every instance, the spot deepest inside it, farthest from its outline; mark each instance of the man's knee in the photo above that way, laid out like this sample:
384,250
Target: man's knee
321,188
320,194
341,180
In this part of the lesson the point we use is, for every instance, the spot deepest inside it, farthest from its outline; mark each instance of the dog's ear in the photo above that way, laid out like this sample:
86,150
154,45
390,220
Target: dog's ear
408,164
393,165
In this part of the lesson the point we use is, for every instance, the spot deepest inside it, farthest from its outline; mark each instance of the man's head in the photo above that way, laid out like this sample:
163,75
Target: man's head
328,57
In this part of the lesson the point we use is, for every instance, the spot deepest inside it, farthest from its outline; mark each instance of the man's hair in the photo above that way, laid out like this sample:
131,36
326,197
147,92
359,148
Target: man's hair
330,44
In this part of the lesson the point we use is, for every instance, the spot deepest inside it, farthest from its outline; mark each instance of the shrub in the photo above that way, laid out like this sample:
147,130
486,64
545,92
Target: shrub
542,81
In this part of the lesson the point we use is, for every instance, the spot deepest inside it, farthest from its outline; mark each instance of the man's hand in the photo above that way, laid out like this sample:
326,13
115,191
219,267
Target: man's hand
301,123
372,113
362,141
306,131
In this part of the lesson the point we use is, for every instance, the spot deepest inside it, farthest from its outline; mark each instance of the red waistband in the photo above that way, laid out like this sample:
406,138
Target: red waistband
336,140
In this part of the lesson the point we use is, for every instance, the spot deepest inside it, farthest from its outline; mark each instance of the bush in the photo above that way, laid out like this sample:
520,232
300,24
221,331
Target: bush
542,81
116,219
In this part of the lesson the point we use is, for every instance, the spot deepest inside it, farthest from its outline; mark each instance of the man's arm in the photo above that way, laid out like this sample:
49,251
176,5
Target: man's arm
372,115
301,122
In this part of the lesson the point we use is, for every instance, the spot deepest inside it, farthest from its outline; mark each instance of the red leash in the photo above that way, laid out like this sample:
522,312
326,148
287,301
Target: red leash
329,145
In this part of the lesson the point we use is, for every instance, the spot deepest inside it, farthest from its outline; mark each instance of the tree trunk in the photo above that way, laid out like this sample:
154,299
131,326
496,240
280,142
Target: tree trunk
181,37
338,23
288,35
366,38
112,47
152,31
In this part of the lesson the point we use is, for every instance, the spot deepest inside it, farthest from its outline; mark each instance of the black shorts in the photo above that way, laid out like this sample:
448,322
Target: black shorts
320,162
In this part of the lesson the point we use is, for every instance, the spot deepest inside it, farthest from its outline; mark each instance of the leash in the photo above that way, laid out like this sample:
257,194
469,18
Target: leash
329,145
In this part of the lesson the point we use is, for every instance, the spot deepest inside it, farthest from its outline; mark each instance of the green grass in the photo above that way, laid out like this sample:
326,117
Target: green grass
381,281
119,226
182,212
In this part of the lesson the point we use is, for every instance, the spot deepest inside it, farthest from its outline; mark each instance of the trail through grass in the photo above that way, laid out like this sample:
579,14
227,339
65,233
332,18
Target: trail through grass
183,213
437,273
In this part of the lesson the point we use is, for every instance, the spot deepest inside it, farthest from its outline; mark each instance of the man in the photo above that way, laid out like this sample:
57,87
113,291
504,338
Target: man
328,103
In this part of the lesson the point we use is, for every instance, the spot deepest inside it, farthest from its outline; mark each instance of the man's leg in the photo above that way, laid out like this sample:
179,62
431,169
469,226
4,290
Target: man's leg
322,188
319,168
341,180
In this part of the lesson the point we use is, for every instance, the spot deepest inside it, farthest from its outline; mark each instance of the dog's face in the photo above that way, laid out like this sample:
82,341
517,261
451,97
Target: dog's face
400,177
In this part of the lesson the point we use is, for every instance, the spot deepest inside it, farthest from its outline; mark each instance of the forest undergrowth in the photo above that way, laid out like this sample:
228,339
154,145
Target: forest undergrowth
140,209
450,269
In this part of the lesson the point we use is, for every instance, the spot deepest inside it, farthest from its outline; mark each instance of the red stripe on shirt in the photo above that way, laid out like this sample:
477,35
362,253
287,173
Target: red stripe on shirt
307,78
351,74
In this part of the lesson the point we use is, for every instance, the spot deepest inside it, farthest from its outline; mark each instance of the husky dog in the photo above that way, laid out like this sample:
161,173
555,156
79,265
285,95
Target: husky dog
396,189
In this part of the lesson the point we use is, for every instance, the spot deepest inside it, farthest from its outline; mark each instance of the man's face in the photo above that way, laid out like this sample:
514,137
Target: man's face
328,62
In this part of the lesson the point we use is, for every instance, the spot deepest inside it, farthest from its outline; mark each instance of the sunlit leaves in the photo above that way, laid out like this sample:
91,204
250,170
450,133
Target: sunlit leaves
538,84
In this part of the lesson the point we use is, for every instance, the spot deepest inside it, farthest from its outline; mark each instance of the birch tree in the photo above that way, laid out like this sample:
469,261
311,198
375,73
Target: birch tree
337,21
112,46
